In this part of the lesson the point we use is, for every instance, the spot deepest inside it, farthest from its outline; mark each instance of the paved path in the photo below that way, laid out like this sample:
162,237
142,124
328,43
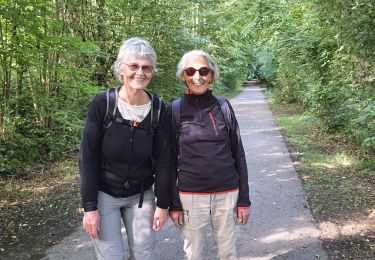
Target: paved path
280,225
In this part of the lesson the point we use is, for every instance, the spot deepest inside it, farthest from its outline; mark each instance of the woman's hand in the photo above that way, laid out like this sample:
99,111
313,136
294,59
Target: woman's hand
243,215
177,218
91,221
160,217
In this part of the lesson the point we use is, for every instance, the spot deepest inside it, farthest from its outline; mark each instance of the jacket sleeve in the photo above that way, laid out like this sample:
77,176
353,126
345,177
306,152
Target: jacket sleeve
175,203
162,158
89,157
240,161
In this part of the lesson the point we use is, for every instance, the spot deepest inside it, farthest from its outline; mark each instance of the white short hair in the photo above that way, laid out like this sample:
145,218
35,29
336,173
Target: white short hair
211,64
133,48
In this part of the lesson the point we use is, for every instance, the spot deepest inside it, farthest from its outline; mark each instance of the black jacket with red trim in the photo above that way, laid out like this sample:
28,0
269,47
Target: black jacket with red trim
209,158
118,161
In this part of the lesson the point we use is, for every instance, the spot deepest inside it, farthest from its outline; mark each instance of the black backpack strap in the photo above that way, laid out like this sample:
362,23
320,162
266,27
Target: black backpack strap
176,121
227,113
112,98
155,112
176,115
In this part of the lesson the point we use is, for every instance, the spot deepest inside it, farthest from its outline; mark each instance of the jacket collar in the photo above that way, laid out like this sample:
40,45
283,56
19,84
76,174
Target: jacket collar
204,99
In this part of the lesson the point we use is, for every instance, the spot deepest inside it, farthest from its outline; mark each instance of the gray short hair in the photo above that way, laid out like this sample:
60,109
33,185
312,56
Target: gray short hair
134,48
211,64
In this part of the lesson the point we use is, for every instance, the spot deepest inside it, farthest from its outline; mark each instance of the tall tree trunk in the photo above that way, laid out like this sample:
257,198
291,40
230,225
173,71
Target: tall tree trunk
101,69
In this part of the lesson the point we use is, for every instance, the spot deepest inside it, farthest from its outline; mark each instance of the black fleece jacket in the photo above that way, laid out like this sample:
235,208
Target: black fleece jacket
123,152
208,158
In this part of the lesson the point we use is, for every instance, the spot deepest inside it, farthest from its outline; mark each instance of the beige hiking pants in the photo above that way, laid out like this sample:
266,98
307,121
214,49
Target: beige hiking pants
209,211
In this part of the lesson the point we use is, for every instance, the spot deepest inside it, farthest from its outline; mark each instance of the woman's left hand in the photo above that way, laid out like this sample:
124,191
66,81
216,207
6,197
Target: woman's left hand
243,215
160,217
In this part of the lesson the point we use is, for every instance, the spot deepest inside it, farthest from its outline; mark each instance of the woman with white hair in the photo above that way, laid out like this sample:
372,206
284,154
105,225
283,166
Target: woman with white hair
210,189
122,156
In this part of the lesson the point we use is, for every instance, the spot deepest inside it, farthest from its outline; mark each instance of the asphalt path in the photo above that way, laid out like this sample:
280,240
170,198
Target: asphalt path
280,225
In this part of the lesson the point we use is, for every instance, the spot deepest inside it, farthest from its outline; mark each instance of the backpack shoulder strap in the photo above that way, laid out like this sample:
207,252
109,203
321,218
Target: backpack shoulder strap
155,112
176,113
112,98
224,106
176,119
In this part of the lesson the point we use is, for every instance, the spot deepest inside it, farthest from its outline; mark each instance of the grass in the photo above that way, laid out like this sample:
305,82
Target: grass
338,180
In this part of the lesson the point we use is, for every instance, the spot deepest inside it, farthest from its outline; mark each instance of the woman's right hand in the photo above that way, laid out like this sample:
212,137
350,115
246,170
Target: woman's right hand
177,218
91,221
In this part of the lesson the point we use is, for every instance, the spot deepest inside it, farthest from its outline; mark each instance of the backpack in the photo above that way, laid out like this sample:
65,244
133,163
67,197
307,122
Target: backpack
112,100
224,106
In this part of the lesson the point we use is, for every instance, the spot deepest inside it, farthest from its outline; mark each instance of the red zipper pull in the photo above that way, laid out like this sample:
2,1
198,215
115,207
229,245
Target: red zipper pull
134,123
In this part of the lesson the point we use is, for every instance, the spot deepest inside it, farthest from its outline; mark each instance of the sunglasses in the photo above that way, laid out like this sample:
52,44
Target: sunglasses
135,67
202,71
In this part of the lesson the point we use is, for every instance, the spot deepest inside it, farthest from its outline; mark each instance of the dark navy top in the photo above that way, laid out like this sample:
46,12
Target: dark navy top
209,157
123,153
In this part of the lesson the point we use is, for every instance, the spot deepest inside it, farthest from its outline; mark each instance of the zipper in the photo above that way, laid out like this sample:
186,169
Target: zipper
213,123
130,152
130,145
199,111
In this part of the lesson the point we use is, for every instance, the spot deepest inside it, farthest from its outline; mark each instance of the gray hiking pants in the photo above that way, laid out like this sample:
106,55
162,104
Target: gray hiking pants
138,225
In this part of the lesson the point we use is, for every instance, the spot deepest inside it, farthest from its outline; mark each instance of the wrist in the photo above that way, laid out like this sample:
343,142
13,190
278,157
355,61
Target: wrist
90,210
176,212
161,209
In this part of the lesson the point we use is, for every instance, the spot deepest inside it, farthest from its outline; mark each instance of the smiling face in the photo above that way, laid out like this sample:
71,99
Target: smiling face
136,73
196,83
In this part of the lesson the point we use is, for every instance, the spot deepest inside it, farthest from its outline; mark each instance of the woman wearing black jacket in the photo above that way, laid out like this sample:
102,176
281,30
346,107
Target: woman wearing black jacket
211,171
120,159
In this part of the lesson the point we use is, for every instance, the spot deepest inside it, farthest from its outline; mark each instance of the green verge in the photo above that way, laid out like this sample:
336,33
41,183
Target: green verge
338,180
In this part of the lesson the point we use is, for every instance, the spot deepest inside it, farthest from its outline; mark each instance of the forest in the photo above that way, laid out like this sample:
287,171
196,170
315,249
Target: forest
55,55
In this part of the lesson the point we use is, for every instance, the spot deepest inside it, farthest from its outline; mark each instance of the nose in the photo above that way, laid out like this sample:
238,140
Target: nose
196,75
140,70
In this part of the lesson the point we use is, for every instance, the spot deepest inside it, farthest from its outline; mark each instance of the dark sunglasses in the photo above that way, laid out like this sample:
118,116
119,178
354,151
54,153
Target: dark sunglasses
202,71
135,67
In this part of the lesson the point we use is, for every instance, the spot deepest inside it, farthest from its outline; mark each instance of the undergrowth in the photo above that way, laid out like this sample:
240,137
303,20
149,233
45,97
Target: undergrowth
338,179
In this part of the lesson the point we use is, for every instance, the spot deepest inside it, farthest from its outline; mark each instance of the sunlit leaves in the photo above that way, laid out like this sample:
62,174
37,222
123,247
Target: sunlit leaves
319,53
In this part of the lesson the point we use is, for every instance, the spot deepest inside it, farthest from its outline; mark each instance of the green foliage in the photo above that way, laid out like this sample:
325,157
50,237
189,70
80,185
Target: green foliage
319,54
265,68
56,55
